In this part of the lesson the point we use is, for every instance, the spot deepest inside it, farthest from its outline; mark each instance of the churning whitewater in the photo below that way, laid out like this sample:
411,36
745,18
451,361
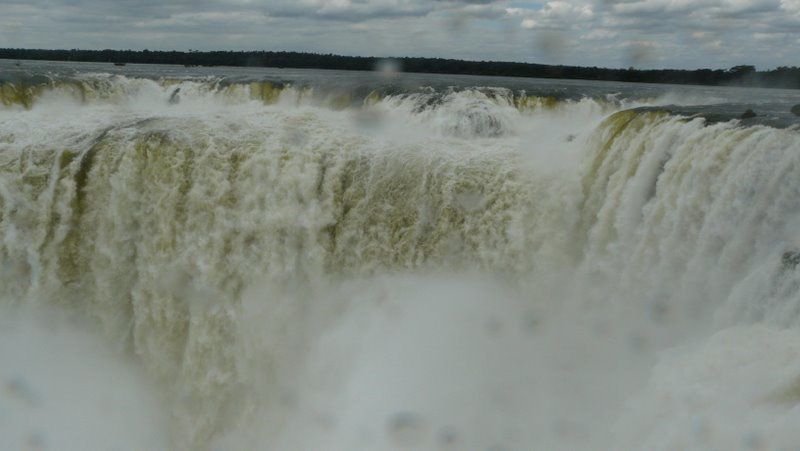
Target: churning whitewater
280,266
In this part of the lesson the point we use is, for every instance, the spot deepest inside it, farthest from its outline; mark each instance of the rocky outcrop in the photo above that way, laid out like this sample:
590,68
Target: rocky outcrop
749,114
790,259
175,97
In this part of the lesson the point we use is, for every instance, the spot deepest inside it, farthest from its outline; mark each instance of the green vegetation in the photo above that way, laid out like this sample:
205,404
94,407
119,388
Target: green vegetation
782,77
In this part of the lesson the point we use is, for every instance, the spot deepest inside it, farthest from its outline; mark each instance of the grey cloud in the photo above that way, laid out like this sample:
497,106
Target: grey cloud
350,11
469,2
679,33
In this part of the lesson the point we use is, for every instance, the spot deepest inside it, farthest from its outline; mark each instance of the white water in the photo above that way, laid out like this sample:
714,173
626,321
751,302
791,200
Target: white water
453,271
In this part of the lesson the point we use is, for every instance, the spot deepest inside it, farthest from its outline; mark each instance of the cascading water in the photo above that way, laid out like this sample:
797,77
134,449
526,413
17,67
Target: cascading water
437,269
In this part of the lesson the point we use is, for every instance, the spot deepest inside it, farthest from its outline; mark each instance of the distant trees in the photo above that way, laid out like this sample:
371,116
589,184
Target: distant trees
782,77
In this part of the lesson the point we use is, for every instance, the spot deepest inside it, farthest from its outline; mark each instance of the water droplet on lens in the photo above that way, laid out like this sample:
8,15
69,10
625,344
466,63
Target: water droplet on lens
406,429
448,437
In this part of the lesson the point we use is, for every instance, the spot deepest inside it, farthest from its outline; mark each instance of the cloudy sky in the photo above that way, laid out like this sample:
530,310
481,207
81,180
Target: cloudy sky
616,33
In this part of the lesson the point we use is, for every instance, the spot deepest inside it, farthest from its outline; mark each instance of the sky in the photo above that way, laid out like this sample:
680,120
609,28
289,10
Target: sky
685,34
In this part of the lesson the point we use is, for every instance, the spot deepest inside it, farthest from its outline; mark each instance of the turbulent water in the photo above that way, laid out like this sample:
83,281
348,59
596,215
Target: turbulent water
319,260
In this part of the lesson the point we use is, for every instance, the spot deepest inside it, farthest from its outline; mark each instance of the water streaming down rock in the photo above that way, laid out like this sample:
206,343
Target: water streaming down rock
219,234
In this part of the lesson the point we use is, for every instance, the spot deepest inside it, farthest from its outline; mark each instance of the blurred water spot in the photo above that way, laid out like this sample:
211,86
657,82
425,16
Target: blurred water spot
35,442
17,387
406,429
494,327
456,24
368,119
448,437
295,137
639,52
753,440
530,323
499,448
388,68
701,429
551,43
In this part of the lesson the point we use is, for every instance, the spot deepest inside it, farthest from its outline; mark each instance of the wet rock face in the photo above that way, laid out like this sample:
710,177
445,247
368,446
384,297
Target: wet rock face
796,110
749,114
790,259
175,97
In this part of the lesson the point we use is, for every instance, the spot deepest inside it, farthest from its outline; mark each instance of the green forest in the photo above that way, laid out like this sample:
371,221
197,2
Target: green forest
744,75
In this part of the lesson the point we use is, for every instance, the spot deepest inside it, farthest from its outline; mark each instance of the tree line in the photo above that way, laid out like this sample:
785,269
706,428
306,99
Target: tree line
781,77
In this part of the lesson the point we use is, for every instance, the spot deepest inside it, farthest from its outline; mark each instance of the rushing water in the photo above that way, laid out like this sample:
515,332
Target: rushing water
284,259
